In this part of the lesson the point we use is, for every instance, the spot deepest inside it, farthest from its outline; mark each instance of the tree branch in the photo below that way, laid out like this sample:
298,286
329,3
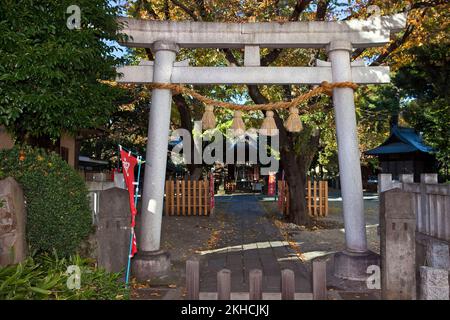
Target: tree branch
357,53
322,8
300,6
166,10
273,55
201,8
421,5
185,9
148,7
400,41
230,57
183,109
149,54
256,95
369,3
393,46
287,92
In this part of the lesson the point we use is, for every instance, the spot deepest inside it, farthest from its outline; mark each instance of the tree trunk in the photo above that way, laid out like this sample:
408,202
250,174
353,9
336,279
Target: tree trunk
296,180
195,170
295,165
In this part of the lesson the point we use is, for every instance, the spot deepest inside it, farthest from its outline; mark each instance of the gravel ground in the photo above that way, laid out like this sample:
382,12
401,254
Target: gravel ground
329,235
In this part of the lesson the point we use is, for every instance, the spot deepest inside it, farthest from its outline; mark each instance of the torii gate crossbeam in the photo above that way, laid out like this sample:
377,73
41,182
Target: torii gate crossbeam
339,38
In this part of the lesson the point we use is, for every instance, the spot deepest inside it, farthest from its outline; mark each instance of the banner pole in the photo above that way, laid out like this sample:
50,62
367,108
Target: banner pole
127,277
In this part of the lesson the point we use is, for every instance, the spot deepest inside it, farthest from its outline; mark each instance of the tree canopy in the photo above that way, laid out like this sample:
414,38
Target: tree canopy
51,77
54,79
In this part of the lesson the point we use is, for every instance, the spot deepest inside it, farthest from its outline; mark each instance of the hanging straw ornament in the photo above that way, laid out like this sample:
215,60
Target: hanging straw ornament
293,123
269,127
238,125
208,119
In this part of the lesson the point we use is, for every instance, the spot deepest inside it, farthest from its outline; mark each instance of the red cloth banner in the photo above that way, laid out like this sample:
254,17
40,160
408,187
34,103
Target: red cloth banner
129,162
271,185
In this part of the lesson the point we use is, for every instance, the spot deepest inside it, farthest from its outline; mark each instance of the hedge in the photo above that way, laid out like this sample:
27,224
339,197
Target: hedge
58,213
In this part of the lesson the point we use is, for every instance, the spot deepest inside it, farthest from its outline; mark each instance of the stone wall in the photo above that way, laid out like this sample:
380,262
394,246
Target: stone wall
433,267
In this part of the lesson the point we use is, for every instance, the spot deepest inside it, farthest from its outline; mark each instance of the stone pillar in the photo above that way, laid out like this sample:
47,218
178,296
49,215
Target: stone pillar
113,229
353,262
150,261
437,255
398,244
13,246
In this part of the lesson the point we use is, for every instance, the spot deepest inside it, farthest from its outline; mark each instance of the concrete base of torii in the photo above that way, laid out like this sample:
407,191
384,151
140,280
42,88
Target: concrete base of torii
353,265
150,265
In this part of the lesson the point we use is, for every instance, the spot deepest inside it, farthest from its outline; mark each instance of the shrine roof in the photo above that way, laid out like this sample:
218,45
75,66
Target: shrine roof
401,140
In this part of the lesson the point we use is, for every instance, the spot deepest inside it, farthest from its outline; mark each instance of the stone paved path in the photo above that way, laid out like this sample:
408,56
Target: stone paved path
253,242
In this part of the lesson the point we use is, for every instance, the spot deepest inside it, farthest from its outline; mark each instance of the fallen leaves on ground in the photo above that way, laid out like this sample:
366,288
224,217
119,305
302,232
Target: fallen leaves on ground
139,285
288,238
213,239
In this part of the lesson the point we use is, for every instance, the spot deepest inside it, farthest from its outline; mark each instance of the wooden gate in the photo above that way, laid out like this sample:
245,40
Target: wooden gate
188,198
316,197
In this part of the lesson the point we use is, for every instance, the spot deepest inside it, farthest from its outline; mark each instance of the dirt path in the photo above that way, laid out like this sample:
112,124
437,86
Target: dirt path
239,236
252,242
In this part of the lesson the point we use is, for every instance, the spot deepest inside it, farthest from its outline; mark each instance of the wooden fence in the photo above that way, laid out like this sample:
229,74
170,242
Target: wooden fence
319,285
316,197
188,198
431,202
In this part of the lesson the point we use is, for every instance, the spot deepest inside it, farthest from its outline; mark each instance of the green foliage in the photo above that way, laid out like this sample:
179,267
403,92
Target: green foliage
45,277
425,87
58,213
52,78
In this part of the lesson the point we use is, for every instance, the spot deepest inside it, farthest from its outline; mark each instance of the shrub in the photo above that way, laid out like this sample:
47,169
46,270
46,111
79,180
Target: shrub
58,213
46,277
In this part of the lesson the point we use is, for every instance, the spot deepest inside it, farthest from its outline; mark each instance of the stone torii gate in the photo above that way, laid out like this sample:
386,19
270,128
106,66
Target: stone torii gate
339,38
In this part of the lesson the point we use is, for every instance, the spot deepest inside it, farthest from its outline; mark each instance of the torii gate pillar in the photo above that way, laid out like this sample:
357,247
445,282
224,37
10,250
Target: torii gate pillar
353,262
150,261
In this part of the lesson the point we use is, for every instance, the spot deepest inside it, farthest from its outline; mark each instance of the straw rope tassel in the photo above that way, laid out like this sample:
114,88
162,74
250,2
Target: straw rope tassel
208,119
269,127
238,124
293,122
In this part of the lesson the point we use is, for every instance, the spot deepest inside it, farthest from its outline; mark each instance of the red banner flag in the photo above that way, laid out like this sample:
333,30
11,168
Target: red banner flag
128,164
